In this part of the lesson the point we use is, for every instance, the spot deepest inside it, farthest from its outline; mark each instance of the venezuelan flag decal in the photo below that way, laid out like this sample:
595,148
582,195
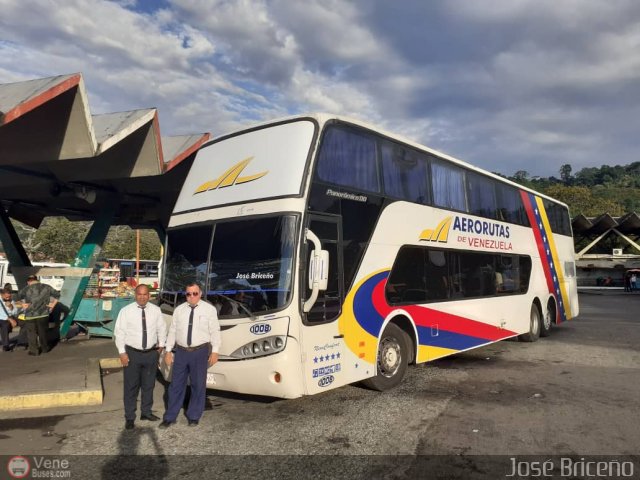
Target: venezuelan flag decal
439,333
548,253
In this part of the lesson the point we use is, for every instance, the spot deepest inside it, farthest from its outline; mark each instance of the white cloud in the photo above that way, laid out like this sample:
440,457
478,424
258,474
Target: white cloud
497,84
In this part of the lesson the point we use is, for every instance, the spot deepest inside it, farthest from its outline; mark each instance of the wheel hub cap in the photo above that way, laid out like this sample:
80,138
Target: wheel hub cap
389,358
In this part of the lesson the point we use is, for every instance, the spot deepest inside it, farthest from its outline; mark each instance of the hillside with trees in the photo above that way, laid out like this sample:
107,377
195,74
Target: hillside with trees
591,191
58,240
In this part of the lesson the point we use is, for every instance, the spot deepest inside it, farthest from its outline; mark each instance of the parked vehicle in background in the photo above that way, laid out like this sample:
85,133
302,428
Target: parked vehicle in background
56,281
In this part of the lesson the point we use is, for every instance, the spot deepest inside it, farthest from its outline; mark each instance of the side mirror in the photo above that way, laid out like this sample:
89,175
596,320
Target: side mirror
318,270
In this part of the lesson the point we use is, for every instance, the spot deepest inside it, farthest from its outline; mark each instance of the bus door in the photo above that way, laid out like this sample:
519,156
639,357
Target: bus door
322,345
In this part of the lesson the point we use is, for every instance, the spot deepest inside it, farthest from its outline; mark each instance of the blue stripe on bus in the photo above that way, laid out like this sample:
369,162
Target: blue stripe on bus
451,340
548,255
364,310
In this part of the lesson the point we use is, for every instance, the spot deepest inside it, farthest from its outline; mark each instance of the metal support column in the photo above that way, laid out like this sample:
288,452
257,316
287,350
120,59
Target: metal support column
74,287
16,253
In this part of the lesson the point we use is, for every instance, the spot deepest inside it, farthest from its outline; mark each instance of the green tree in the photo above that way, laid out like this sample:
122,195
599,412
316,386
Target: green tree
121,243
582,200
565,173
58,240
521,175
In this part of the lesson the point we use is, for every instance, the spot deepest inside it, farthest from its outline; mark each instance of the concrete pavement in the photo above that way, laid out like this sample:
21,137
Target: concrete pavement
68,376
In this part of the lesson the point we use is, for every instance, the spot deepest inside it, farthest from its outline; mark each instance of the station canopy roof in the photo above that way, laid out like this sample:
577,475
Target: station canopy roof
56,159
628,224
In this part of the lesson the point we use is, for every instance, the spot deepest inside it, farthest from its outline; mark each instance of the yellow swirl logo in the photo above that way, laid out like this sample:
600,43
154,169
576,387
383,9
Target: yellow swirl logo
231,177
439,234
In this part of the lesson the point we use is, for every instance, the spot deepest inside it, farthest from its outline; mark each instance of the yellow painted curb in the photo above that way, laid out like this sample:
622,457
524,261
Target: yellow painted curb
110,363
92,395
51,400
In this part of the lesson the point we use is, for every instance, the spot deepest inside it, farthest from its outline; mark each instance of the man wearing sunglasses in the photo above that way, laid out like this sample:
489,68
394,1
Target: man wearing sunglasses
194,334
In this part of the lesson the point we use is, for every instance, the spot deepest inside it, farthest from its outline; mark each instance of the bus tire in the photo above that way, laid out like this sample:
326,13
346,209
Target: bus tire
535,322
392,359
548,319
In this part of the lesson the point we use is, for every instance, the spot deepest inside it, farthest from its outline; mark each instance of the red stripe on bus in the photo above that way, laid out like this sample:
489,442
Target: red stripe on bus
428,317
539,242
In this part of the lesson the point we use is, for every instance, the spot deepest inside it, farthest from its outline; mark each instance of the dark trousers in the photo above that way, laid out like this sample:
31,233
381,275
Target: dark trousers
37,333
140,374
191,365
22,335
5,328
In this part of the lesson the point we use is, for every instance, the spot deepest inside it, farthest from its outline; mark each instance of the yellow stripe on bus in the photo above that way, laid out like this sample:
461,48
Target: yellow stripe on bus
428,352
554,253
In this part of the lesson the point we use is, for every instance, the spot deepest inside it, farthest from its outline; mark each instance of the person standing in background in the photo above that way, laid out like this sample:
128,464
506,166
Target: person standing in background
37,301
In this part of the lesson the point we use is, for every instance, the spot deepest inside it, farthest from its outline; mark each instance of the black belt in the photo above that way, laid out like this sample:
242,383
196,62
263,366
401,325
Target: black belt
191,349
152,349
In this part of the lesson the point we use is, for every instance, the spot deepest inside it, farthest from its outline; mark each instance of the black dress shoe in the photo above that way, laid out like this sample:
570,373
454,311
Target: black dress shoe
193,423
7,349
151,417
165,424
128,424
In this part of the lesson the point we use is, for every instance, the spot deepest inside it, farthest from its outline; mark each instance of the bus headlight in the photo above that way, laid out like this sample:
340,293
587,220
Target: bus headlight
264,346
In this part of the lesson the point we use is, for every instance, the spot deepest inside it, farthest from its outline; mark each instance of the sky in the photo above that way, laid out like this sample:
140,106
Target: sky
507,85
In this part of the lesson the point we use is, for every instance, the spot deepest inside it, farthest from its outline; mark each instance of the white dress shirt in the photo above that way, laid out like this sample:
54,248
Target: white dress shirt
12,311
206,328
128,329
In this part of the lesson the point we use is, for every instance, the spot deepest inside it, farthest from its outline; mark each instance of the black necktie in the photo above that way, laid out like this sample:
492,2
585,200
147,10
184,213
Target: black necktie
190,331
144,330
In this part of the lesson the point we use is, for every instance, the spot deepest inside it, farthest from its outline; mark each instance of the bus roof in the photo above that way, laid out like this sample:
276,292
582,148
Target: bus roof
323,118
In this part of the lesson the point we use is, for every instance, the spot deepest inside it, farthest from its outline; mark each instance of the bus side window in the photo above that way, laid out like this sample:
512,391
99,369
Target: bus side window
406,282
437,282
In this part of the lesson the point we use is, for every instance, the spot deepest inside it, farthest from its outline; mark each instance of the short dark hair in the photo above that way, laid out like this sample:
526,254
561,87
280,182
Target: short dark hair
32,277
7,290
193,284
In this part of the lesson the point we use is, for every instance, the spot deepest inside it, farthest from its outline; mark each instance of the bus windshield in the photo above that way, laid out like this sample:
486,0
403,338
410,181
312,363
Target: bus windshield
244,266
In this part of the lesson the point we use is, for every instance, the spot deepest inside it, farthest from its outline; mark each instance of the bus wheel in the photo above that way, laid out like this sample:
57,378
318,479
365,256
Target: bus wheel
547,319
534,325
393,354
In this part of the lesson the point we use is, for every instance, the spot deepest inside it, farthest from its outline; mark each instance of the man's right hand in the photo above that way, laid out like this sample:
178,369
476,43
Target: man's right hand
168,358
124,359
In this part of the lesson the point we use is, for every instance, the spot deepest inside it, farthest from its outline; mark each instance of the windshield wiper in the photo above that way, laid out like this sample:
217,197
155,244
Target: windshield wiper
239,304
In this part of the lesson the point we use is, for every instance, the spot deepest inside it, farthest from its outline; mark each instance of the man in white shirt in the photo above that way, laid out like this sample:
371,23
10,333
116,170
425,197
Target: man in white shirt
140,334
195,334
8,320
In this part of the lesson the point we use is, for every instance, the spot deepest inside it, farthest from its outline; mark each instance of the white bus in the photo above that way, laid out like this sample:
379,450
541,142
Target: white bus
47,276
338,253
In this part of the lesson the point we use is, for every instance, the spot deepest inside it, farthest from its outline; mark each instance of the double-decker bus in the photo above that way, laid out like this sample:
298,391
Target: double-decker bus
338,253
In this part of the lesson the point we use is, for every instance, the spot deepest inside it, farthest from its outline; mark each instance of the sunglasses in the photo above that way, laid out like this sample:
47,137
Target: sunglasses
192,294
